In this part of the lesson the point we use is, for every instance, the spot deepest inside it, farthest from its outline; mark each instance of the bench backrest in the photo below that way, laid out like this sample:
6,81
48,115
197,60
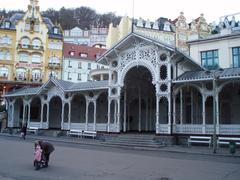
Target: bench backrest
90,132
201,137
228,138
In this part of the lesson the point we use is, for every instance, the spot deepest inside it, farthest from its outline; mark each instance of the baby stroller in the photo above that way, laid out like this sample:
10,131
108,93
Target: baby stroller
38,158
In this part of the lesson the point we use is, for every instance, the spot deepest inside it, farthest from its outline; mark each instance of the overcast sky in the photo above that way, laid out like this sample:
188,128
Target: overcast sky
146,9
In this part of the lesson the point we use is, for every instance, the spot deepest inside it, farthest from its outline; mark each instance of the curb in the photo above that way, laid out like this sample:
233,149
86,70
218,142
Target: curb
99,143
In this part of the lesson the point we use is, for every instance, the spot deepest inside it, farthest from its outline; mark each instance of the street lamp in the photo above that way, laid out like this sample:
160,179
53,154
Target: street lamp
215,77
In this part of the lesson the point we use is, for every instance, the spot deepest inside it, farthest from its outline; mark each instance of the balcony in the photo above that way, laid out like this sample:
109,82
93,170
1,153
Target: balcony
99,74
54,65
29,47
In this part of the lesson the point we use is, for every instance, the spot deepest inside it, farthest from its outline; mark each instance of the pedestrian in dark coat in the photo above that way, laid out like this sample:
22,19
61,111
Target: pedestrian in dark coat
47,149
24,131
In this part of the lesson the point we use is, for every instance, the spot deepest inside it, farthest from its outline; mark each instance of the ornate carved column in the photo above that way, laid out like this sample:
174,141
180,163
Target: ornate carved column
69,114
47,114
217,112
181,109
157,114
203,114
42,105
118,114
29,111
125,110
86,123
109,114
139,109
146,121
62,120
95,110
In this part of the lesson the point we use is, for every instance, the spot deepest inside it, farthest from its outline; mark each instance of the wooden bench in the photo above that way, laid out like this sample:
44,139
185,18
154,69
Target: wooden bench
227,140
92,134
76,132
32,130
200,140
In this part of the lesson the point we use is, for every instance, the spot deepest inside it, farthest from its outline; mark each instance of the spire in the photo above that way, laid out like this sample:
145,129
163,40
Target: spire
34,3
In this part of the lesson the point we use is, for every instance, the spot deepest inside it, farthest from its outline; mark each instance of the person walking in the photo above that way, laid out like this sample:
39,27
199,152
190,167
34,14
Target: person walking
23,131
47,149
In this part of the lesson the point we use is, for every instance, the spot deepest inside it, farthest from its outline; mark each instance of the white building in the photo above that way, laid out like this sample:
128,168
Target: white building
78,61
77,36
96,36
220,50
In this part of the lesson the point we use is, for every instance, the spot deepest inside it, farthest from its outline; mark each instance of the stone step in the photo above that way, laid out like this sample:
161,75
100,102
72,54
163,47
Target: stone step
132,144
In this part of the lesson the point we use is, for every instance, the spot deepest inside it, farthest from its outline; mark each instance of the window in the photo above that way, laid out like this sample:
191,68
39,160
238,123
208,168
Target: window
79,76
21,74
3,72
2,55
88,77
36,58
89,66
5,40
55,30
8,56
236,56
7,25
71,53
69,76
54,60
36,44
25,42
23,57
80,65
36,75
69,64
209,59
84,55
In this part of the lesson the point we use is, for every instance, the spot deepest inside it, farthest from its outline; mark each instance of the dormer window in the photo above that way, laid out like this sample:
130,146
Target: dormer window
55,30
84,55
71,53
7,25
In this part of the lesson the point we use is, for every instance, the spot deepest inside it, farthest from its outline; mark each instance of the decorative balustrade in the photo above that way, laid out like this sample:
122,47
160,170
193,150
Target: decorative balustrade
199,129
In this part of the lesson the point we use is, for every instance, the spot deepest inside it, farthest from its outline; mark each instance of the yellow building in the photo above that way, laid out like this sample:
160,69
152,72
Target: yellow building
30,49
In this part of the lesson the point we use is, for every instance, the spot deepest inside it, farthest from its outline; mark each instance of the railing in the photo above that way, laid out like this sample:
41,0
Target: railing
30,47
207,129
54,65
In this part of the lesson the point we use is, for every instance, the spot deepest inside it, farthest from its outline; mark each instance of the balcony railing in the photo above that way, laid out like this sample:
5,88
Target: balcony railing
54,65
30,47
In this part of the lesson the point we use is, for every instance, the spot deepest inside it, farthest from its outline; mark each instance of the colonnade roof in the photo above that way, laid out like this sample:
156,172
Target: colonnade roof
66,86
190,76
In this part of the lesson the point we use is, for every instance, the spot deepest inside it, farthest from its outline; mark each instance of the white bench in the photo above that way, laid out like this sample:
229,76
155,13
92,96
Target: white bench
76,132
227,140
32,130
92,134
200,140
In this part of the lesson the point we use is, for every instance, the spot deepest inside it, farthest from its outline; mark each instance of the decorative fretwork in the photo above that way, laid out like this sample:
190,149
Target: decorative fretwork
127,57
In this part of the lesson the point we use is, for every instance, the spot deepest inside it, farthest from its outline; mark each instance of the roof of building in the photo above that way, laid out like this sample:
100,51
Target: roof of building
66,86
18,16
81,51
228,73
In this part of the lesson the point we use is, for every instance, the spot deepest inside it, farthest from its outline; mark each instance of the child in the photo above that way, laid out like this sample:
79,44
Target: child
37,156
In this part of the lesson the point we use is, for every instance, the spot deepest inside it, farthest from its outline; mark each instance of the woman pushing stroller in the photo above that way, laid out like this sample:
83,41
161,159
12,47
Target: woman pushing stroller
42,153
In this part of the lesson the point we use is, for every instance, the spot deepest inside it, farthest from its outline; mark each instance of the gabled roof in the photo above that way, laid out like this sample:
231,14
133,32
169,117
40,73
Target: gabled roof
65,86
22,92
190,76
128,40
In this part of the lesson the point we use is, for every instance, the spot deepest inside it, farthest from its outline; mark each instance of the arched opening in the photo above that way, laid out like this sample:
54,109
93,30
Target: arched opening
229,104
139,101
209,110
102,111
78,109
18,113
188,106
55,112
35,110
90,112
